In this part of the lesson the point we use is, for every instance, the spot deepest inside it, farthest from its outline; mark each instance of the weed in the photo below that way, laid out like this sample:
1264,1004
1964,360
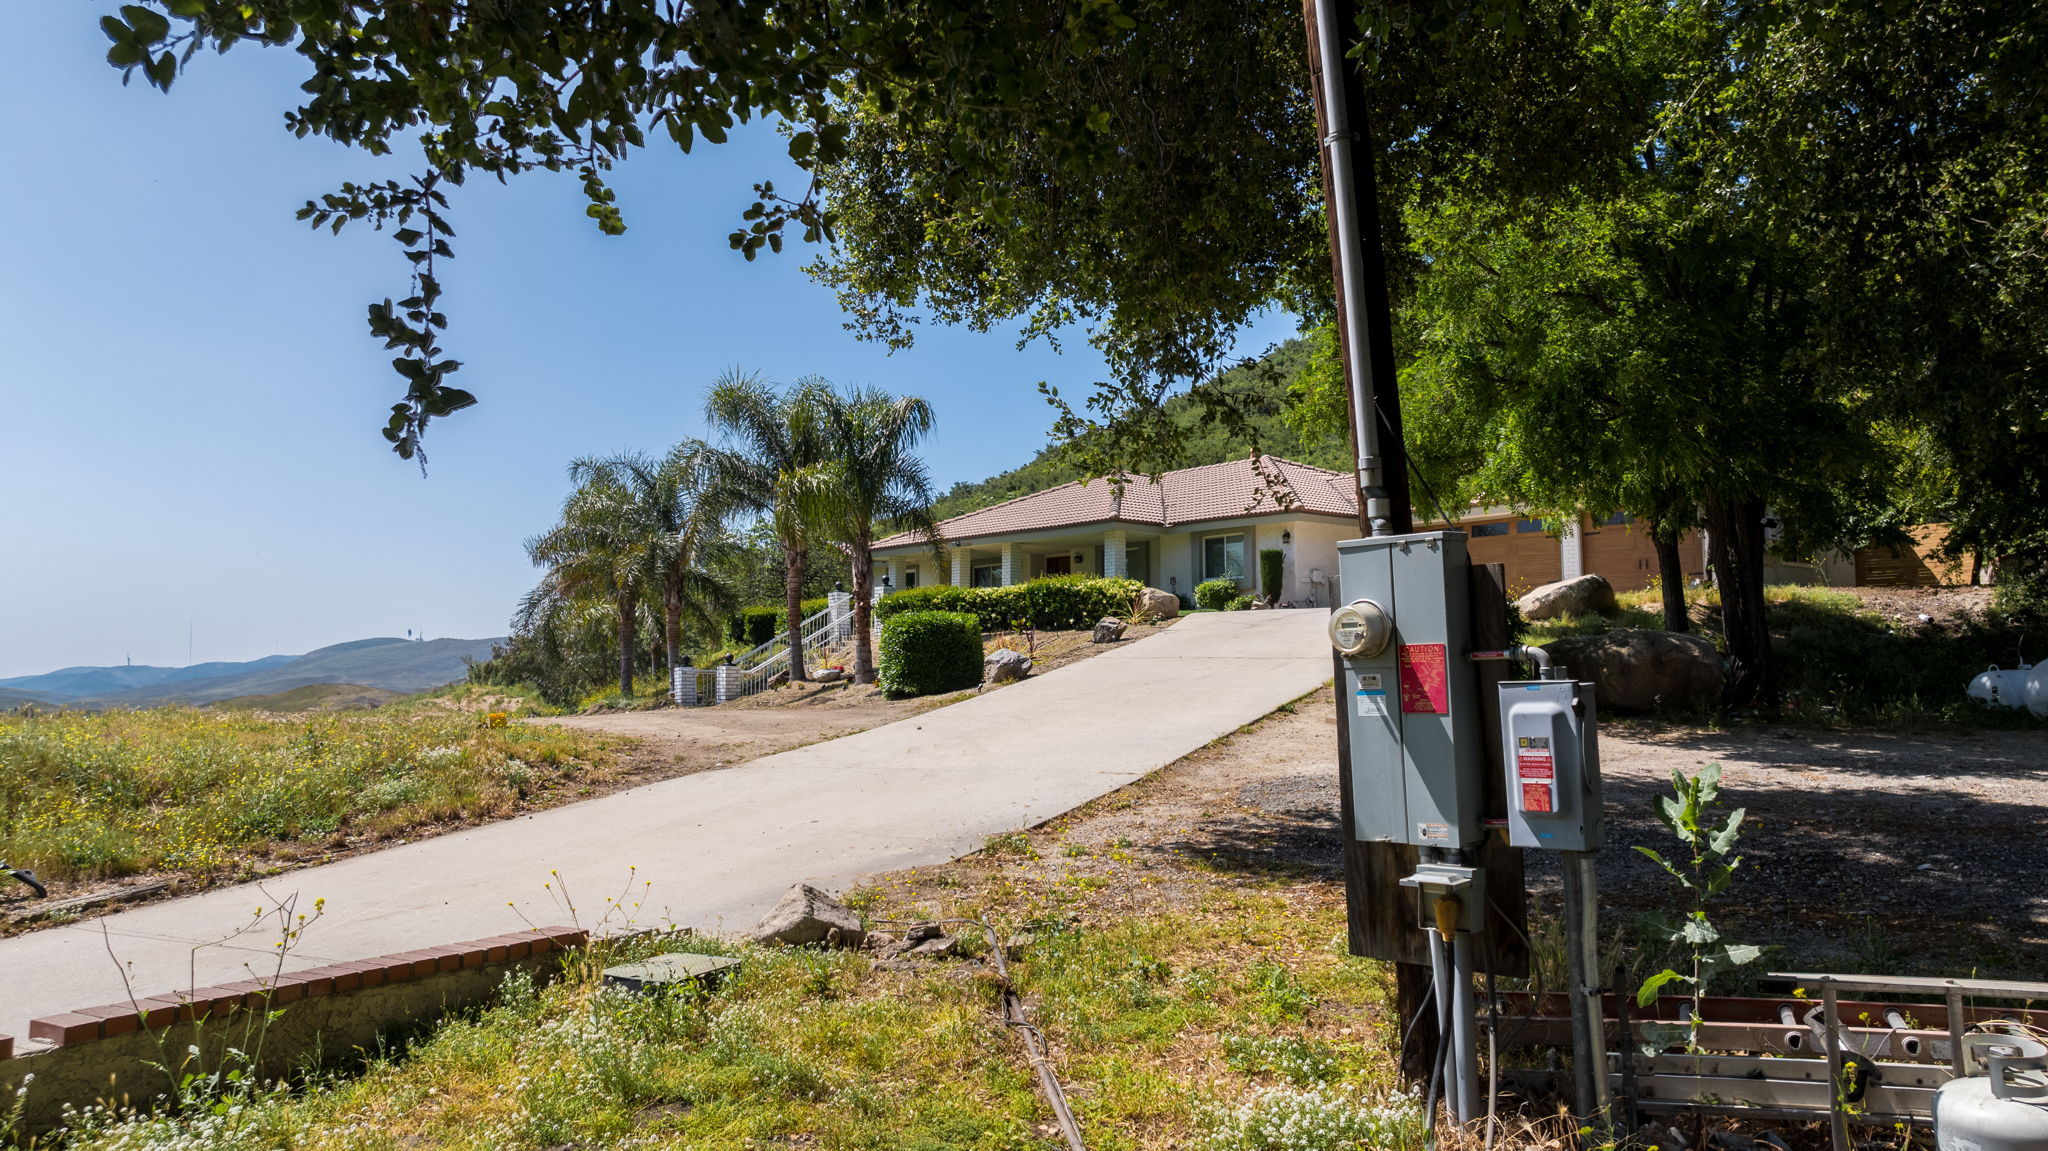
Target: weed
1704,872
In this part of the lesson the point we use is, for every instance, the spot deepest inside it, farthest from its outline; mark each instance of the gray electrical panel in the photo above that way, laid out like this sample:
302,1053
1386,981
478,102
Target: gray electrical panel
1416,762
1548,738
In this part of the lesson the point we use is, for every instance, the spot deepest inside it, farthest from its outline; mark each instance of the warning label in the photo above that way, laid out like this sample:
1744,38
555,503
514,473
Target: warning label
1536,771
1425,679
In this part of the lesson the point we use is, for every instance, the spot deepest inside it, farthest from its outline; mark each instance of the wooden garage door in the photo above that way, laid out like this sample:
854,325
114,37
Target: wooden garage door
1621,549
1920,565
1531,554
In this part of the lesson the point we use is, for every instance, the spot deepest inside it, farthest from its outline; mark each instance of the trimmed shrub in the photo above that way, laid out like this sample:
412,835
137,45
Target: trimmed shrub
1241,603
1272,562
1056,602
929,651
751,627
1216,594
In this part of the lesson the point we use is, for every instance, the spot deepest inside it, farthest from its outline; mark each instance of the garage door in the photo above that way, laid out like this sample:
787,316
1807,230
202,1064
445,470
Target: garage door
1621,549
1531,554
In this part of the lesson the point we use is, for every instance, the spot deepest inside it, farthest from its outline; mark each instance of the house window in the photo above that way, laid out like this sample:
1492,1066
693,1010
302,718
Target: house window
1479,530
1528,525
909,577
1223,557
1618,519
988,575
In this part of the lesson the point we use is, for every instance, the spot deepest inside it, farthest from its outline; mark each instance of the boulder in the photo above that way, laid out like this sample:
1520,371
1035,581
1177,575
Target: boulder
828,675
1582,596
1003,665
1109,629
806,915
1644,671
1155,604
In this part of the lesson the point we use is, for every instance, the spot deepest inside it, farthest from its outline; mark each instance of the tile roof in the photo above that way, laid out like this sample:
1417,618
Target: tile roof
1222,491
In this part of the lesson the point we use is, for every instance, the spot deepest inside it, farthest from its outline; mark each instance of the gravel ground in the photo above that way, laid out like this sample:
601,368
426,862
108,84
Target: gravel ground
1874,854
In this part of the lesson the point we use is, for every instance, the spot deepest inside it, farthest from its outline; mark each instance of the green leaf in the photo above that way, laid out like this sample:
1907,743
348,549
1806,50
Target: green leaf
1723,838
1697,931
1647,993
150,25
1727,956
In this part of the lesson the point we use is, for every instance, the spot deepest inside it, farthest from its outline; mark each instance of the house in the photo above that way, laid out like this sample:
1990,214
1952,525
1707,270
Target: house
1187,526
1212,521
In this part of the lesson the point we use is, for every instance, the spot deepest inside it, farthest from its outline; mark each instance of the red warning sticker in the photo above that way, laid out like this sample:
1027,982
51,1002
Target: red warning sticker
1425,679
1536,772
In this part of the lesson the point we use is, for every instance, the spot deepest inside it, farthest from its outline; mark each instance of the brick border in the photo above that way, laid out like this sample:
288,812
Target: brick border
108,1021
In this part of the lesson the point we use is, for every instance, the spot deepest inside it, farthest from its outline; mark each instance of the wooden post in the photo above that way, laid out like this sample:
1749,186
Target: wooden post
1506,944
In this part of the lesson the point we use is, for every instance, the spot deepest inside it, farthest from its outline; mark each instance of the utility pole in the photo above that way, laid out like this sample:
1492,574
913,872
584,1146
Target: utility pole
1365,346
1358,265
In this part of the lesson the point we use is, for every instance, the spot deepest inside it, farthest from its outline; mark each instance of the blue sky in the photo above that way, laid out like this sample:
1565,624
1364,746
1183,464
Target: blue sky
189,441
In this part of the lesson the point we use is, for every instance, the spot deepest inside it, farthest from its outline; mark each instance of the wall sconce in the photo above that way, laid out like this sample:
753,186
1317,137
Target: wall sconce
1078,557
1286,536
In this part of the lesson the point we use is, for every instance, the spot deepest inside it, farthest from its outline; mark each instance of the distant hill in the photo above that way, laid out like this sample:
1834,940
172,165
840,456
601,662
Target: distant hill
82,682
1202,445
315,697
390,663
11,699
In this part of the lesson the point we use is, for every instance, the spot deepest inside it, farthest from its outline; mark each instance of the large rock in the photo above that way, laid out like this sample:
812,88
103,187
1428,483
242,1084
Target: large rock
806,915
1644,671
1155,604
1582,596
1109,629
1003,665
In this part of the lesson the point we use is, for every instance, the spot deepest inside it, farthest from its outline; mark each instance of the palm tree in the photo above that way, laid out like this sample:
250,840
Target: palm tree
772,449
872,482
665,507
600,548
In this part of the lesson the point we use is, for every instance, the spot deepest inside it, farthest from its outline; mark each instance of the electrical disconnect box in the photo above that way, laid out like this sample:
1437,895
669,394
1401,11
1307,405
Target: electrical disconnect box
1552,754
1410,708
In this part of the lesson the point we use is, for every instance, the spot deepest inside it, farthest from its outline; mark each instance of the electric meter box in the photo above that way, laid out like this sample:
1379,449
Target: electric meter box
1410,705
1550,747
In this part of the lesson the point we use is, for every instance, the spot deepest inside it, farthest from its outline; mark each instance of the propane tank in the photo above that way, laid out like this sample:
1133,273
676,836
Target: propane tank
2001,688
2037,689
2004,1109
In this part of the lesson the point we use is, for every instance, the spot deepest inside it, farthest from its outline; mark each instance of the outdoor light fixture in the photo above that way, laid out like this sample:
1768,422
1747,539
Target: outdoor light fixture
1286,536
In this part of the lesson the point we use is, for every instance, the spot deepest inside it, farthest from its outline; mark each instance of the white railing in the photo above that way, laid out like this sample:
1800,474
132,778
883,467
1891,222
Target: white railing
755,670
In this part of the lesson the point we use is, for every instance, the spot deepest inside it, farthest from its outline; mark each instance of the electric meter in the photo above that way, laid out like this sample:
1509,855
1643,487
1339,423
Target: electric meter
1360,628
1411,707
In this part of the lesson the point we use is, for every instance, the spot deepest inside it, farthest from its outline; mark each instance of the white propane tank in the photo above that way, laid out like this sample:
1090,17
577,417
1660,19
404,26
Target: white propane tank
2037,689
2005,1109
2001,688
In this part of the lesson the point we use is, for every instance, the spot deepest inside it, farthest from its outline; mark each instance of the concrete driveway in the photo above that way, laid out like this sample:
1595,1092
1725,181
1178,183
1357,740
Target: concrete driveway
719,847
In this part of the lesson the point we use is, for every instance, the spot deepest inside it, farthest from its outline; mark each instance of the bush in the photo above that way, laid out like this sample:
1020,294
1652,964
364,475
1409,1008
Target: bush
751,627
1056,602
929,651
1216,594
1241,603
1272,562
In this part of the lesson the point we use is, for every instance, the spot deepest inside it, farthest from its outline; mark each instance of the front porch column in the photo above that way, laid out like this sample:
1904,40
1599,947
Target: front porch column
963,567
1113,565
1013,564
894,574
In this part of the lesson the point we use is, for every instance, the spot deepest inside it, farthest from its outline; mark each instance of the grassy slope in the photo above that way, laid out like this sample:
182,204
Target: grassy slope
1203,445
187,791
314,697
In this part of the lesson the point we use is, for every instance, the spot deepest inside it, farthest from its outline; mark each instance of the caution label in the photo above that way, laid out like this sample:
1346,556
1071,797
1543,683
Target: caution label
1537,773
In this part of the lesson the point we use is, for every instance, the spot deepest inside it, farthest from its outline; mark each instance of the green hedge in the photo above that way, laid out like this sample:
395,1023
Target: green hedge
753,626
1056,602
1272,562
929,651
1216,594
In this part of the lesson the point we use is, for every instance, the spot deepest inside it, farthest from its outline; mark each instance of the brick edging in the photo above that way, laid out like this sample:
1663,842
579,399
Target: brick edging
86,1024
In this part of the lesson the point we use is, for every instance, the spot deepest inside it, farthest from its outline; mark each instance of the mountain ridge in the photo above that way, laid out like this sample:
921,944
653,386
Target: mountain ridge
386,662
